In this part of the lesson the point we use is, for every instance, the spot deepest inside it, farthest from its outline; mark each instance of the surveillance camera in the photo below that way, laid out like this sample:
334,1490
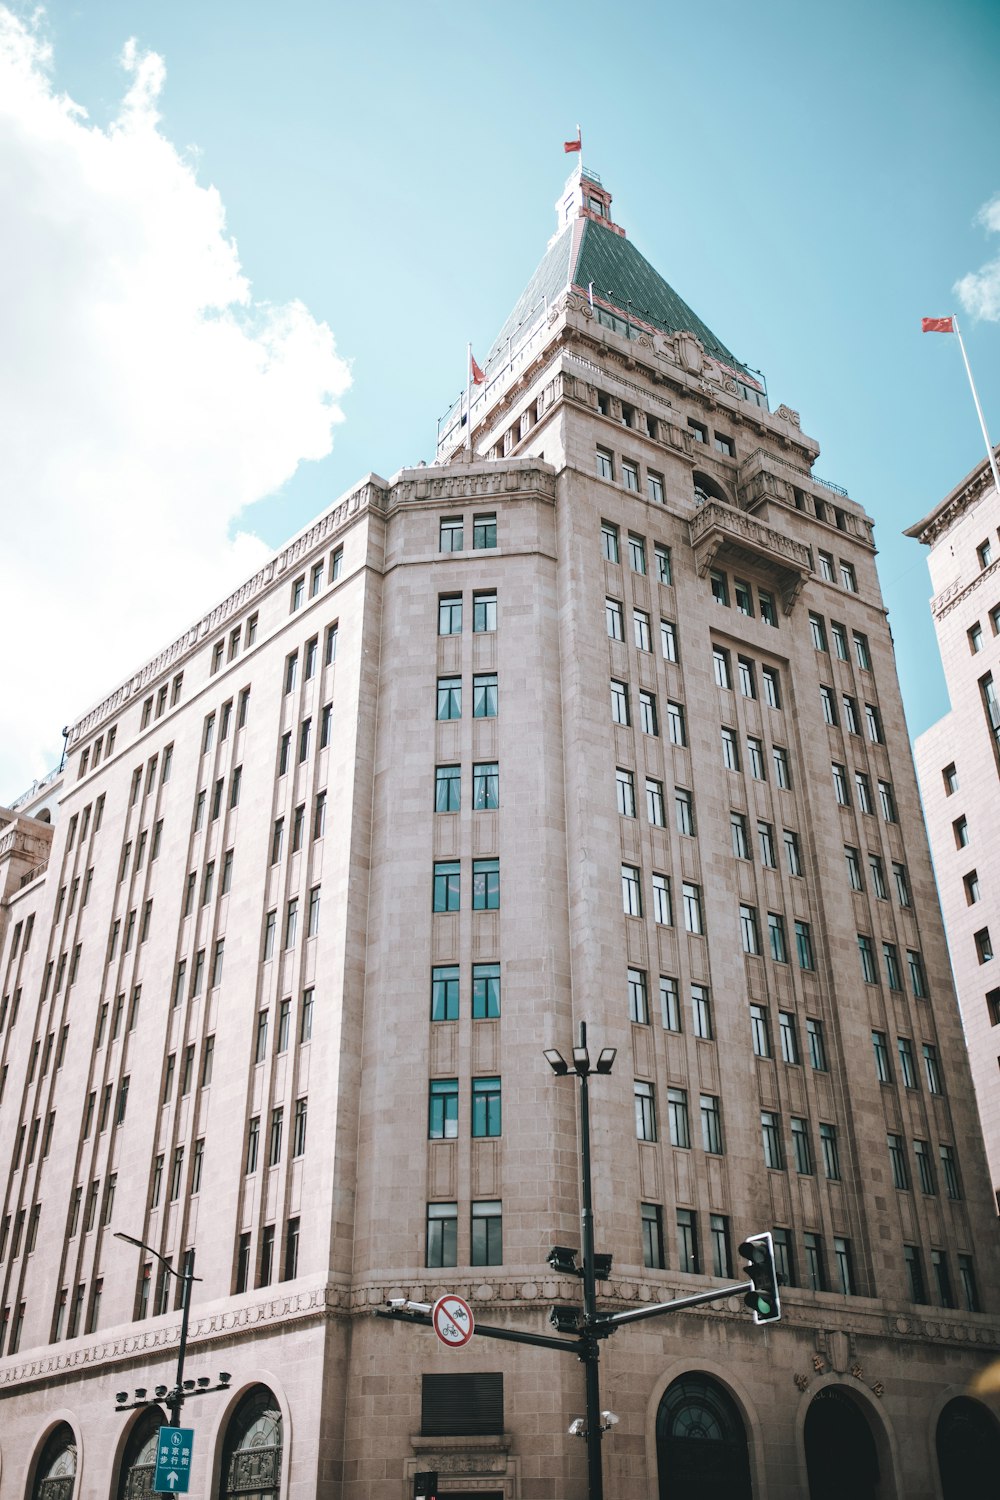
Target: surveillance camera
399,1302
609,1419
577,1427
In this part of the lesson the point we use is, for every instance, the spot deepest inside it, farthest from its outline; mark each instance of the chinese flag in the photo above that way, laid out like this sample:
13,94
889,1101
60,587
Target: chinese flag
576,145
477,375
936,325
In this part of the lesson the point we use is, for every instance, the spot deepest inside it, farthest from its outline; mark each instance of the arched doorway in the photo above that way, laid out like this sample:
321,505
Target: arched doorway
55,1476
139,1459
968,1449
251,1456
701,1443
841,1458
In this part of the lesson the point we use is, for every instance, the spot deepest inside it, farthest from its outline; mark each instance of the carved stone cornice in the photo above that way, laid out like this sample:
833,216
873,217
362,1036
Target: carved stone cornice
721,534
955,593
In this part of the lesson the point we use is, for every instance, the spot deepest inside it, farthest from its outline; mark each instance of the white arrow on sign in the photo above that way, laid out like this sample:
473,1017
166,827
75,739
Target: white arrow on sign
173,1478
452,1320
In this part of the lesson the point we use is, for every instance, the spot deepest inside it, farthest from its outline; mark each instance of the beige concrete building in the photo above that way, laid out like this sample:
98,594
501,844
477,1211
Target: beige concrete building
958,763
596,718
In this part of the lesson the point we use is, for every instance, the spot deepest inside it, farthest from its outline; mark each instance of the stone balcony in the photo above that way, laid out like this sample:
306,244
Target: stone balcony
728,538
24,853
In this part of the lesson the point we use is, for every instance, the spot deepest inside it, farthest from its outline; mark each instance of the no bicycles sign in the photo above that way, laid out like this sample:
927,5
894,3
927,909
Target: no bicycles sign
453,1321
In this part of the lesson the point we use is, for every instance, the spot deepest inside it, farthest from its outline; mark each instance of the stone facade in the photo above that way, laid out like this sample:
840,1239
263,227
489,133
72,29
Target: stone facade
647,560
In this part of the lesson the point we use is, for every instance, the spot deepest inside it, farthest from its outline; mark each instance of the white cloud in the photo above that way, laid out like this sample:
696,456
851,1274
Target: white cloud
145,397
979,291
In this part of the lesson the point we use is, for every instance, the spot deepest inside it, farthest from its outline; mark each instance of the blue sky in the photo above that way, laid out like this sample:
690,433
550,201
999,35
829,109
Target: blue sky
808,178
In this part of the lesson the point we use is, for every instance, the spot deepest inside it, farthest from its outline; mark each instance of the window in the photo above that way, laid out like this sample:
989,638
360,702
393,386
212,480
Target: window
883,1069
484,531
960,828
802,1147
720,587
638,1002
319,815
815,1267
755,758
670,1011
691,901
312,919
450,534
949,1170
730,749
447,789
609,541
864,790
487,1233
484,611
640,630
993,1006
661,558
918,981
783,1259
449,614
687,1241
284,752
770,682
817,629
771,1138
662,904
985,553
444,993
619,703
967,1277
449,698
668,641
914,1273
853,868
817,1045
877,869
749,934
765,843
907,1069
848,577
826,566
925,1170
828,705
984,945
485,991
291,921
625,790
890,958
842,1259
711,1124
485,785
675,724
701,1012
760,1031
873,723
887,802
684,810
789,1038
614,620
839,640
861,651
897,1161
630,471
442,1234
447,882
746,677
971,882
486,1107
720,667
298,592
653,1255
782,773
647,714
831,1151
743,595
654,803
768,610
605,464
485,885
804,946
442,1110
636,549
336,563
739,836
677,1119
631,894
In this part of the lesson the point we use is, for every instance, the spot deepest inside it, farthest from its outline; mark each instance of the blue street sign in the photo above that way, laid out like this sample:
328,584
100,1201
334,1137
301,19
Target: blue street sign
173,1460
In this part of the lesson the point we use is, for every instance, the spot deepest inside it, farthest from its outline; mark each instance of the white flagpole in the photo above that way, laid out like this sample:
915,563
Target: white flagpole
468,397
979,410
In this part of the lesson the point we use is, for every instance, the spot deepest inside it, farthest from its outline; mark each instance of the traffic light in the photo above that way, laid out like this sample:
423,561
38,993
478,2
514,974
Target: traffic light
425,1485
763,1301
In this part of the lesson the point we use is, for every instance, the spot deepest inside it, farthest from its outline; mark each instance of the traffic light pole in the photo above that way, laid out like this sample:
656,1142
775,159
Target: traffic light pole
590,1349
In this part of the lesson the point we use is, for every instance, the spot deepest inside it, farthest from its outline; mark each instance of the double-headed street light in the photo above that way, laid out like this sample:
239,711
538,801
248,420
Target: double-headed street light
590,1350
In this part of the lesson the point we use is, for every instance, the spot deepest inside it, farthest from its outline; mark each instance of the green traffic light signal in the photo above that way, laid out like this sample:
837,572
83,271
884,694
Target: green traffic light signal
762,1300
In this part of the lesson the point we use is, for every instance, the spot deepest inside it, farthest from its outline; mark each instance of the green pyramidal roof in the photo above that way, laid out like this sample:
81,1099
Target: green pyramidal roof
586,252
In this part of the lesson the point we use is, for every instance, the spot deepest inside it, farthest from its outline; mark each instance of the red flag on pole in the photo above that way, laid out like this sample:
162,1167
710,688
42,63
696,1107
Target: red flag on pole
937,325
576,145
477,375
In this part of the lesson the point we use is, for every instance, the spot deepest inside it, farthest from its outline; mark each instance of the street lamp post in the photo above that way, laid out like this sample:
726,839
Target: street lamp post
590,1349
174,1400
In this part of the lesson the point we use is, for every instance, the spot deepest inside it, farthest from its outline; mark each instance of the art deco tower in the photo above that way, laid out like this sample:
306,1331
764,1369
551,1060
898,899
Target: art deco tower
594,719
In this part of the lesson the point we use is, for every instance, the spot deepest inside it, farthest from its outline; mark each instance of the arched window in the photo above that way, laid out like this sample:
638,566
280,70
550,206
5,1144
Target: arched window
55,1476
701,1444
706,489
968,1449
251,1457
841,1458
139,1458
